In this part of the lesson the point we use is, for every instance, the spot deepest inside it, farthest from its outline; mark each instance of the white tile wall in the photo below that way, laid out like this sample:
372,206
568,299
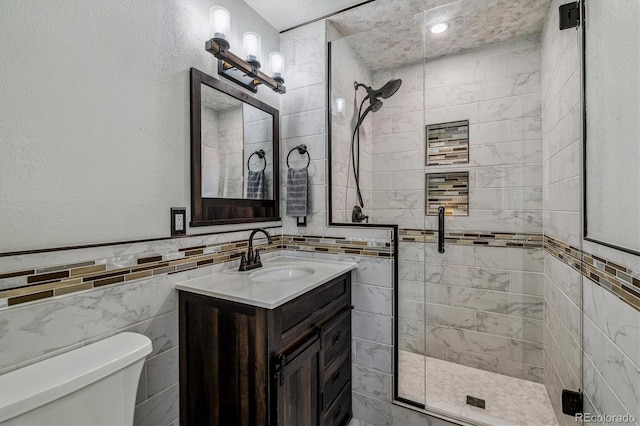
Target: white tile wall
498,90
602,357
347,67
35,331
561,199
477,306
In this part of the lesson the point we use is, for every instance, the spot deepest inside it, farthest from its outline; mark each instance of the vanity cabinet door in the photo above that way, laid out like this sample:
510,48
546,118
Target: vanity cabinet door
297,385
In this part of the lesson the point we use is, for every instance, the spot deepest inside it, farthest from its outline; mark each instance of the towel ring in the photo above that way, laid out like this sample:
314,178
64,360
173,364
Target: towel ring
302,149
260,154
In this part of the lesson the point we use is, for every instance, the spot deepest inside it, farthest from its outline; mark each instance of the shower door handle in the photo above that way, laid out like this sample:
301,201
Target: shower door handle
441,229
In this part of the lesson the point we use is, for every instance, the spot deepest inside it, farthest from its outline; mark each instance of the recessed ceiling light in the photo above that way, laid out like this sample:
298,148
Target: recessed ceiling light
439,28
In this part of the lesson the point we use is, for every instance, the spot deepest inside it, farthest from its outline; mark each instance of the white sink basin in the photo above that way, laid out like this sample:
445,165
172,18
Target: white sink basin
281,274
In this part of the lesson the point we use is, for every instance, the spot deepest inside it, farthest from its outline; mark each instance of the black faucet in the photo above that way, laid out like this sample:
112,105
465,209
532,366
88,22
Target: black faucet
252,259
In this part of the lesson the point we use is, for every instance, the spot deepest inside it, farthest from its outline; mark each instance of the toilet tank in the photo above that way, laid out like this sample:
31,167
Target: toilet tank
92,385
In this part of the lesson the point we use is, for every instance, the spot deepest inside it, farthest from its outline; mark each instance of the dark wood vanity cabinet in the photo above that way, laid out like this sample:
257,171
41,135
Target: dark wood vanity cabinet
245,365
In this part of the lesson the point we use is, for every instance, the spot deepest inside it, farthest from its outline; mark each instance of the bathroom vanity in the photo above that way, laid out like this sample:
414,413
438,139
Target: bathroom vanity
270,346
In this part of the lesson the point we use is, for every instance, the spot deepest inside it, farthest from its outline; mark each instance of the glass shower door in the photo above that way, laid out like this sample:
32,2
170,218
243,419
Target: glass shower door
473,319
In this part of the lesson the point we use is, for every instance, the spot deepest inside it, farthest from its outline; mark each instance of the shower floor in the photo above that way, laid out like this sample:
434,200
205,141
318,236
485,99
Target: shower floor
509,401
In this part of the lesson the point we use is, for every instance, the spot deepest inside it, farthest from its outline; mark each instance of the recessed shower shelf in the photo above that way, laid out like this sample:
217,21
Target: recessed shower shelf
448,143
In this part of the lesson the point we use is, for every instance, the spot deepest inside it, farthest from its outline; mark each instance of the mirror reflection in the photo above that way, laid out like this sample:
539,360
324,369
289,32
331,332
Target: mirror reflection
612,149
237,154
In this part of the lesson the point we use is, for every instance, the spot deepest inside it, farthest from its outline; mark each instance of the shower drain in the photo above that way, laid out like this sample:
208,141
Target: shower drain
476,402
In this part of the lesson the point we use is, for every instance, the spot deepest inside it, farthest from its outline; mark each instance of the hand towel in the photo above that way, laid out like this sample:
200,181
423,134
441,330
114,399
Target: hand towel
256,185
298,196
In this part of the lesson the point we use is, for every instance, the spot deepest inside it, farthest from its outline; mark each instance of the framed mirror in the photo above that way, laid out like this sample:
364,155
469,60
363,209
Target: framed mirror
234,155
612,108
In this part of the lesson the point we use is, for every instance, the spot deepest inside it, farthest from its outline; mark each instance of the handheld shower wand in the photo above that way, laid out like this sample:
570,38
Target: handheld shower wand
374,96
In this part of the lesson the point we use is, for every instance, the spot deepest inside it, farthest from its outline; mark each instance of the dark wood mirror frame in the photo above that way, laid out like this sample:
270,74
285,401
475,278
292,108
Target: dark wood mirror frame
221,211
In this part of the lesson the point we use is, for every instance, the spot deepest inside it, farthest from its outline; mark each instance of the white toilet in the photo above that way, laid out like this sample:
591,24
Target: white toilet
92,385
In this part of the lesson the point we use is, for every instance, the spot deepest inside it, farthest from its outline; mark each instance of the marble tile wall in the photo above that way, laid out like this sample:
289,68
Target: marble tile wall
562,218
561,126
34,331
346,68
611,353
474,305
498,90
399,151
591,335
303,111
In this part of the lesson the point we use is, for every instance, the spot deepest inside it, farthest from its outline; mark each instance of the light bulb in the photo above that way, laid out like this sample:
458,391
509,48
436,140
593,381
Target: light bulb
276,61
251,46
439,28
220,25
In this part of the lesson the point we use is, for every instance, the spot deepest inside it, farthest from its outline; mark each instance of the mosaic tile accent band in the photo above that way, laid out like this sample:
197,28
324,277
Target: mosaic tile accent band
450,190
337,245
448,143
621,281
41,283
470,238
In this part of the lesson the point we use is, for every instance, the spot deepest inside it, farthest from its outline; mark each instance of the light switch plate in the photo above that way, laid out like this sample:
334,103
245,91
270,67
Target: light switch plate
178,221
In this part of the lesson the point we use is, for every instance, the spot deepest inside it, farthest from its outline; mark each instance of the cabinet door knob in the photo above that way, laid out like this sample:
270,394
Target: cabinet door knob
336,338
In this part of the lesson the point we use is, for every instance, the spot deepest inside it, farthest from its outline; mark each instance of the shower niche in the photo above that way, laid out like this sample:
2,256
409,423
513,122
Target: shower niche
448,143
450,190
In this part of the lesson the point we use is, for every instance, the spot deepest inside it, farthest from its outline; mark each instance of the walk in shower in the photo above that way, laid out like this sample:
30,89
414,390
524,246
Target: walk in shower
464,132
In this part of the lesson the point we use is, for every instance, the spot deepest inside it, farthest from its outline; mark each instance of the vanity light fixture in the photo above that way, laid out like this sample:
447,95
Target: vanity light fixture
276,62
220,25
247,72
251,46
439,28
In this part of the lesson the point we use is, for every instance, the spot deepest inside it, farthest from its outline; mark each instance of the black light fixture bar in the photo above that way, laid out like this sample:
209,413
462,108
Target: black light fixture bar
240,71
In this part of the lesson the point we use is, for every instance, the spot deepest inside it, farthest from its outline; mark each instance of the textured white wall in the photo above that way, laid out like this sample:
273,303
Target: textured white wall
94,122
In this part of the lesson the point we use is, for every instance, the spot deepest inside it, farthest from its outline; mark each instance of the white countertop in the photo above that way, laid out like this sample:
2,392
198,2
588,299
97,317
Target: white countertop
238,287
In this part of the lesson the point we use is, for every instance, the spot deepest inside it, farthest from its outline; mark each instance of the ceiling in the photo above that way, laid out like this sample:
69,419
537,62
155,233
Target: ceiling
387,43
391,33
286,14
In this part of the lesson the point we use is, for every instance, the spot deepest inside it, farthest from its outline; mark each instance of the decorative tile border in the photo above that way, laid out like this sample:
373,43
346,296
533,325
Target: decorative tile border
621,281
450,190
42,283
448,143
57,280
470,238
338,245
